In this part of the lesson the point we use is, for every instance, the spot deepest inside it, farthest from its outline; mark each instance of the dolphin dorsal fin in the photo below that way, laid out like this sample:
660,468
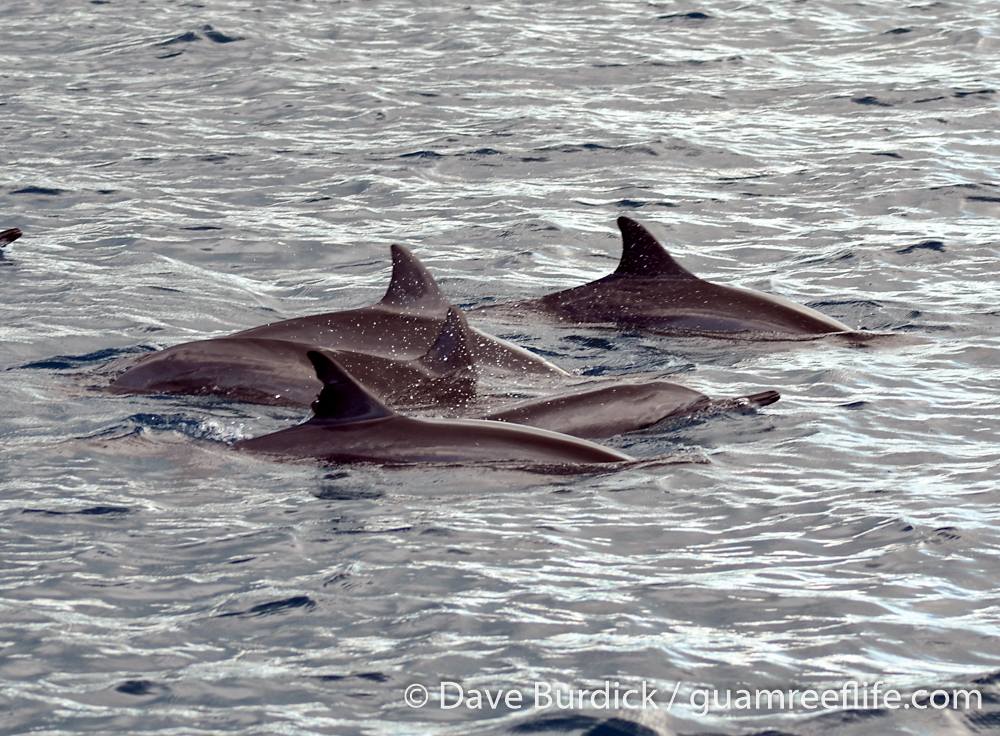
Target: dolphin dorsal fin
643,256
450,352
342,399
9,236
412,287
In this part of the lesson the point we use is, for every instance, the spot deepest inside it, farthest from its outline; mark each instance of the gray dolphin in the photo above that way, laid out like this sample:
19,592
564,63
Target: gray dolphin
403,324
378,345
277,372
623,407
407,348
351,425
650,289
9,236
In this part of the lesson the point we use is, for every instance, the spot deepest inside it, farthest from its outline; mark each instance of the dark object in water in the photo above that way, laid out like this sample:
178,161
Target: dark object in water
651,290
277,372
622,407
9,236
351,425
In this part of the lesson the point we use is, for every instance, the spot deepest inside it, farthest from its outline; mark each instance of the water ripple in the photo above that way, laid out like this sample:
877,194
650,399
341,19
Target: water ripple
183,171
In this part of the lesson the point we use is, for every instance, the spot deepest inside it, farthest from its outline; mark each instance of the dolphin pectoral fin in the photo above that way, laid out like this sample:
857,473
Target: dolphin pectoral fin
342,399
644,256
412,287
9,236
450,352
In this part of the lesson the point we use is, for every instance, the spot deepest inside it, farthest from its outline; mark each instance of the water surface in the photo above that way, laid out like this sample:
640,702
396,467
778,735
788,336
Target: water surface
183,171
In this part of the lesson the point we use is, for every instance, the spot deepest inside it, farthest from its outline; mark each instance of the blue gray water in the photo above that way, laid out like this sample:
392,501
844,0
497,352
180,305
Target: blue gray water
185,170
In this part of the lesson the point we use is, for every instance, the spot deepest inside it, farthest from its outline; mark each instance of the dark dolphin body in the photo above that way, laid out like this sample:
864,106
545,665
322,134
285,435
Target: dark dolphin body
650,289
402,327
352,425
605,412
277,372
407,348
9,236
403,324
253,366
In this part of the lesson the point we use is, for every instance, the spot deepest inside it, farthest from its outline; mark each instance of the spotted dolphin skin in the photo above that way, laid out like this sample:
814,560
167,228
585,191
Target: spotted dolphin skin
351,425
406,348
403,324
277,372
9,236
650,289
378,346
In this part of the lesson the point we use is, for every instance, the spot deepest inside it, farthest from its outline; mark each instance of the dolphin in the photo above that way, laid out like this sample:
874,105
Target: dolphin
9,236
350,424
625,407
403,324
649,289
277,372
406,348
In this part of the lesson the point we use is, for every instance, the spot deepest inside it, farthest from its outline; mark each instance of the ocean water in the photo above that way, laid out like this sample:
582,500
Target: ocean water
187,170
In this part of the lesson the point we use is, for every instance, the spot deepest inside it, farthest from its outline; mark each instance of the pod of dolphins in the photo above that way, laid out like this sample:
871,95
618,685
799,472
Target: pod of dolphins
414,351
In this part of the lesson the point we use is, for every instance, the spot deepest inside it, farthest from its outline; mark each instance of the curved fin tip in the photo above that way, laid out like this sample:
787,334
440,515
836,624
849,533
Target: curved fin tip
412,286
643,255
450,351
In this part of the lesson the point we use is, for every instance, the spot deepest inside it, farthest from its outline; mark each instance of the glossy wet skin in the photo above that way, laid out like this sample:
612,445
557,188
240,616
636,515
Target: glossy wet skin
384,345
608,411
650,289
604,412
695,305
402,325
278,373
352,425
409,440
404,336
394,357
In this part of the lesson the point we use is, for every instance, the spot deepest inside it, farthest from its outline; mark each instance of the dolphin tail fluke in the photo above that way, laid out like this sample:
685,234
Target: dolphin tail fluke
450,352
412,287
342,399
9,236
644,256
